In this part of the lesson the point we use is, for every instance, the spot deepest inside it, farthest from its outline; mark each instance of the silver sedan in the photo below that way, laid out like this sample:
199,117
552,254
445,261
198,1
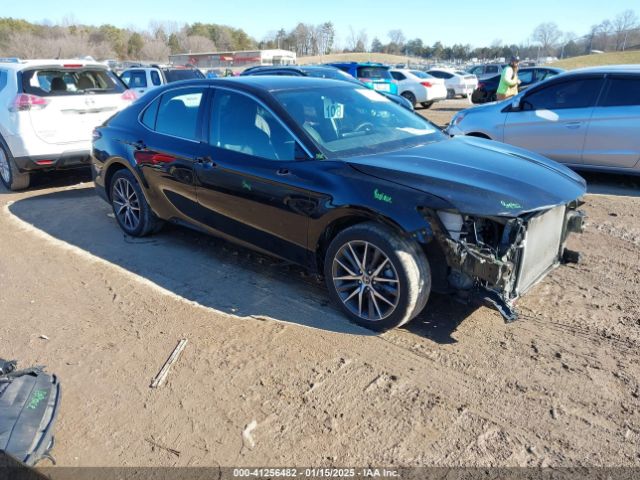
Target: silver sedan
588,119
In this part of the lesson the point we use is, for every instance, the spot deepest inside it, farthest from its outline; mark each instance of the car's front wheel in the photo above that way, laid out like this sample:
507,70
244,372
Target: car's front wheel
427,104
11,177
380,279
130,207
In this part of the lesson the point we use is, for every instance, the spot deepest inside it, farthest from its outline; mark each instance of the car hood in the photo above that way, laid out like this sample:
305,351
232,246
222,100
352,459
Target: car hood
477,176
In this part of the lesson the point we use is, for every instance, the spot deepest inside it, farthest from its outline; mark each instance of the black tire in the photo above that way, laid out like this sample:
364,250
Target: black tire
427,105
411,97
10,176
451,93
133,214
406,266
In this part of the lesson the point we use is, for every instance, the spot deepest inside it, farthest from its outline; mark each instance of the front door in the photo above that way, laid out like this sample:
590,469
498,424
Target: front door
254,178
553,119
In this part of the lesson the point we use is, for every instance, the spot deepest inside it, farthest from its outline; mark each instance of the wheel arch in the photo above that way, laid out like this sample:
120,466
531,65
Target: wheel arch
114,166
347,218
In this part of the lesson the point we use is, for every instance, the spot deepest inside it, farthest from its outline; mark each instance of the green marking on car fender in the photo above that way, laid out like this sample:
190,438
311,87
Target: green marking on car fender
246,185
36,398
381,196
320,156
510,205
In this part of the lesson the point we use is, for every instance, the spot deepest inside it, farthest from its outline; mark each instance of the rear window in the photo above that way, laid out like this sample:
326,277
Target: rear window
186,74
622,92
378,73
420,74
62,81
3,79
491,69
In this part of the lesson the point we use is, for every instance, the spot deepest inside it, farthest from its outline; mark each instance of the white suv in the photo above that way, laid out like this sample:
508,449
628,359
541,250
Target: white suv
48,110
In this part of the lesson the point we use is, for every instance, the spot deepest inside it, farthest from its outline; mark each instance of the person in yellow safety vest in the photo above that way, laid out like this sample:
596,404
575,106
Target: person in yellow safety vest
509,80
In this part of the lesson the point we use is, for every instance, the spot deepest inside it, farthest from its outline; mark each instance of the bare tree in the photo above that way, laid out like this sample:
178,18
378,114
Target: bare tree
197,44
155,49
622,24
547,35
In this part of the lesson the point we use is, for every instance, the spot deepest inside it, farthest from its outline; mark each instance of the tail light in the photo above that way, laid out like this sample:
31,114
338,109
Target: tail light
427,84
24,102
129,96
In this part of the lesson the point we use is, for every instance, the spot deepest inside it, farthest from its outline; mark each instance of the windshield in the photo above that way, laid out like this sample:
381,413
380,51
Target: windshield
347,121
376,73
66,81
180,74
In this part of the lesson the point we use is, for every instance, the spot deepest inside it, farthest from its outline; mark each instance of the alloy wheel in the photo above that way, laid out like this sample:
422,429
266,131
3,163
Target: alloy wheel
126,204
5,171
366,280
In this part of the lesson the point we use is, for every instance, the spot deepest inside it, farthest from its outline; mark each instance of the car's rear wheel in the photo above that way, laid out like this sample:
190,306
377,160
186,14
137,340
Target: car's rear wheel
11,177
130,207
451,93
427,104
411,97
380,279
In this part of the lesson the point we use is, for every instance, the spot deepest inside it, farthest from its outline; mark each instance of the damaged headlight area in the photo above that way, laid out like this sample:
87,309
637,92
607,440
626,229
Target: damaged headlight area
500,258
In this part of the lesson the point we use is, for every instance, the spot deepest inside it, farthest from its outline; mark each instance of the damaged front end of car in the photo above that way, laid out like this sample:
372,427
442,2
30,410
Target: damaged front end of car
499,258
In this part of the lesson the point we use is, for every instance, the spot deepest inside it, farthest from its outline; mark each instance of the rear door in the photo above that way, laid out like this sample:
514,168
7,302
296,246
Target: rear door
168,149
553,118
613,136
78,99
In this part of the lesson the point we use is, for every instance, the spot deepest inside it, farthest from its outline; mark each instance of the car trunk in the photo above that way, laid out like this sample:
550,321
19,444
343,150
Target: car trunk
77,100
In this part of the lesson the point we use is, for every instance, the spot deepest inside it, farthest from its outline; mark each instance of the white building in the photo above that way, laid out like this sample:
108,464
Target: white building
245,58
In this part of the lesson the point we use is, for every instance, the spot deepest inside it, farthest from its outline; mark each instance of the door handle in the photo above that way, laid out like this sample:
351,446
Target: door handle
573,125
283,171
205,161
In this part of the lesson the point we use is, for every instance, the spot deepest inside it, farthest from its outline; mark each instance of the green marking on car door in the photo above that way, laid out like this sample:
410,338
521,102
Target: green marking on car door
382,197
510,205
246,185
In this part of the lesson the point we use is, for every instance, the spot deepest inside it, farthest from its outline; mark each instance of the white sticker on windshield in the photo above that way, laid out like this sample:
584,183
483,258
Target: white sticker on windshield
333,110
371,95
417,131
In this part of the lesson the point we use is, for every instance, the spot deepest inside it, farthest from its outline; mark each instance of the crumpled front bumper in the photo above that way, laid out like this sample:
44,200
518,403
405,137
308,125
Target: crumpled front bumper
501,277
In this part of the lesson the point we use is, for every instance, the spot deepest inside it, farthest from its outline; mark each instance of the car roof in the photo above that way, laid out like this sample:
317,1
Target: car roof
17,64
609,69
269,83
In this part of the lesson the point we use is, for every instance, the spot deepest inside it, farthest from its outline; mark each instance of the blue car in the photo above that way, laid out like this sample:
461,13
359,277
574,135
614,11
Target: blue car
374,75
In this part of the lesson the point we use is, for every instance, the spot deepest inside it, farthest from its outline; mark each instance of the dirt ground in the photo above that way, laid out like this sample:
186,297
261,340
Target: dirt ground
272,375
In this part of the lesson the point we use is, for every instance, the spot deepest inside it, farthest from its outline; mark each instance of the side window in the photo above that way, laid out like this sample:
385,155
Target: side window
155,78
138,79
577,93
126,78
178,113
150,114
436,74
240,124
526,77
491,69
398,76
622,92
3,79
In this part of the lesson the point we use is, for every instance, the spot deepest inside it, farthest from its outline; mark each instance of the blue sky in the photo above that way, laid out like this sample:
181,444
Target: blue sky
470,21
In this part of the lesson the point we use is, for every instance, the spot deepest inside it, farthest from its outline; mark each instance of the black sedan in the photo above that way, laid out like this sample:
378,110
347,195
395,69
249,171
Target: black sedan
345,182
487,88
